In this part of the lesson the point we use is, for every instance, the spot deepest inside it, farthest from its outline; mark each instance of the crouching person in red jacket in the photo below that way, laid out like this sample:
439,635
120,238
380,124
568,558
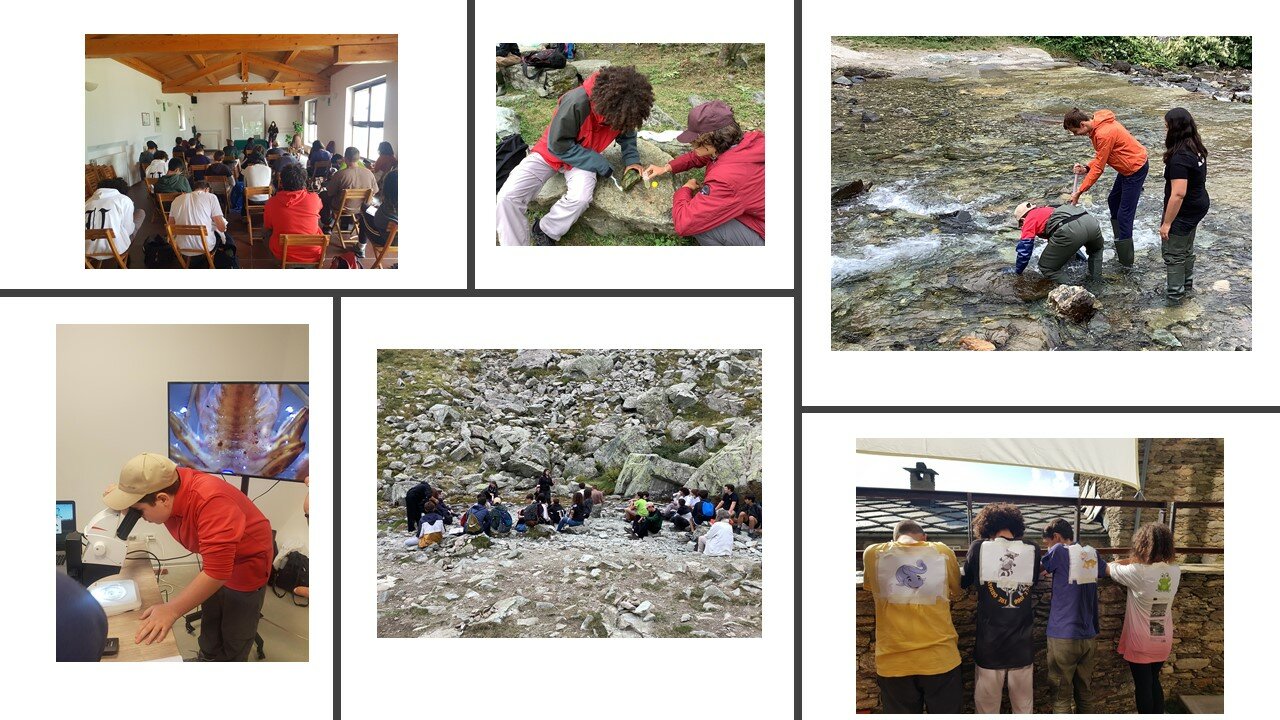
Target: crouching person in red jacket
727,207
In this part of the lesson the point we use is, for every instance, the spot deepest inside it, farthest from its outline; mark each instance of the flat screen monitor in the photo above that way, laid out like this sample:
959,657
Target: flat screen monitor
255,429
66,511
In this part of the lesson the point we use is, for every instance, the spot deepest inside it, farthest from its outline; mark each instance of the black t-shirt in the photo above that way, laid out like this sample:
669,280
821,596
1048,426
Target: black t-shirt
753,511
1187,166
1004,619
728,499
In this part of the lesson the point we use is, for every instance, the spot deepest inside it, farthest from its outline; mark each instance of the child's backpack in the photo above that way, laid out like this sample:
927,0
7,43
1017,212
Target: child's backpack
224,254
345,261
540,61
706,509
158,253
235,206
473,524
505,49
499,520
511,151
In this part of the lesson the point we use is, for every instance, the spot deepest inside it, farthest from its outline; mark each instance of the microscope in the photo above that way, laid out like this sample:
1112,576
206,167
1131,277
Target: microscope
95,556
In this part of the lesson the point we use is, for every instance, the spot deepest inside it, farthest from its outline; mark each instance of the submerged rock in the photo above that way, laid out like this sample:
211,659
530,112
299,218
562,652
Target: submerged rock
849,190
1074,303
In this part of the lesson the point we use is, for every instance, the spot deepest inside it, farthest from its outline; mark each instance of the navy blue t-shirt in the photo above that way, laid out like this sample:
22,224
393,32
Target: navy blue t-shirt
1074,613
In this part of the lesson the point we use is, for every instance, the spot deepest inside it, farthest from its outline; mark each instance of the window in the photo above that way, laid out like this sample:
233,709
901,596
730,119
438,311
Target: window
182,118
311,130
368,107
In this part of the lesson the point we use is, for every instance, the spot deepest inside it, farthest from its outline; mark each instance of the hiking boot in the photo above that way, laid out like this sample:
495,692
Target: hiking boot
539,238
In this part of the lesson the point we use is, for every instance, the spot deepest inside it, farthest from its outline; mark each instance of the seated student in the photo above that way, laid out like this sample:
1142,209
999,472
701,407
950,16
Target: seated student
531,515
219,167
80,622
229,150
414,500
353,176
1073,621
500,522
159,165
749,514
277,160
597,502
1003,568
430,528
913,582
476,519
609,106
256,174
586,498
703,509
386,161
198,207
492,489
441,506
199,163
179,147
318,153
293,210
577,514
147,155
1147,636
727,206
683,517
728,500
639,507
555,512
110,207
175,180
719,539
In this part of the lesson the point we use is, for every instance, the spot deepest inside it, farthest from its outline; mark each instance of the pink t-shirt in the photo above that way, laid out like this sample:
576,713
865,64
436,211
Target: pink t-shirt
1147,636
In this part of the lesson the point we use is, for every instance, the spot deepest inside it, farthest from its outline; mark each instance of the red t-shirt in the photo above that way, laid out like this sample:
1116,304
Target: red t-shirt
293,212
215,519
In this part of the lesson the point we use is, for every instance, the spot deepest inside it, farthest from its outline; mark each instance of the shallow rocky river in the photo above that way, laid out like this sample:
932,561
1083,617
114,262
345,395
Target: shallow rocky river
917,260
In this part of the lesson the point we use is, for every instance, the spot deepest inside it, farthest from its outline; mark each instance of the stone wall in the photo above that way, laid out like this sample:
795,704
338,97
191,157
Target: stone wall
1194,668
1177,470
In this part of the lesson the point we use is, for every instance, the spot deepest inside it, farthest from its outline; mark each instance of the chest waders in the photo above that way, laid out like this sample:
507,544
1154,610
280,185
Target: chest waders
1179,262
1068,229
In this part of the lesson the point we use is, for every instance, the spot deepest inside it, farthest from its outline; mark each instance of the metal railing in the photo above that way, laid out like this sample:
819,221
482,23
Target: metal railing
1171,508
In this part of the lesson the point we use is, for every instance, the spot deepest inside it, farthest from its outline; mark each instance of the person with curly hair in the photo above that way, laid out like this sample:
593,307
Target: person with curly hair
727,206
608,107
1147,636
1002,645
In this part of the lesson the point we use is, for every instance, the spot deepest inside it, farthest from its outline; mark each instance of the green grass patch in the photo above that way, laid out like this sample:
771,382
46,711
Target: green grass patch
607,482
490,630
682,630
1157,52
671,449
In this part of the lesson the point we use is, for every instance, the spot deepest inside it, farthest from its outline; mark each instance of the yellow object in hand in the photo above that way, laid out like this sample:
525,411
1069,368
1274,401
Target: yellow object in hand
653,184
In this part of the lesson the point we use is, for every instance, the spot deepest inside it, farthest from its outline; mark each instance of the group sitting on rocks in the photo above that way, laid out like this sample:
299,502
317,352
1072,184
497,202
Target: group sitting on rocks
1068,228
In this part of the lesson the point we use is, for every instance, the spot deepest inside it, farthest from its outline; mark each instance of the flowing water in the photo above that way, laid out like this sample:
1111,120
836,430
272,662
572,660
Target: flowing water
917,260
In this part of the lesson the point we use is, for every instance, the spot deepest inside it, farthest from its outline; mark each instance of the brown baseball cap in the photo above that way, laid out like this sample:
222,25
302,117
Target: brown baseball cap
705,118
144,473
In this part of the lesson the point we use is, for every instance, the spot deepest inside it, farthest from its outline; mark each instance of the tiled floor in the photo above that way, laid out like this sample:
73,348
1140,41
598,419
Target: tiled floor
283,627
257,255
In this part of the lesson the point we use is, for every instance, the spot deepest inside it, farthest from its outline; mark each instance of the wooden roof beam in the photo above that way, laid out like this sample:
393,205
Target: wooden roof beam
288,87
204,71
96,46
281,67
357,54
143,68
293,55
199,62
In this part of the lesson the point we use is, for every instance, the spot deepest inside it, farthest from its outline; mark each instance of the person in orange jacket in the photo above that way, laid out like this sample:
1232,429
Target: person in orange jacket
1114,146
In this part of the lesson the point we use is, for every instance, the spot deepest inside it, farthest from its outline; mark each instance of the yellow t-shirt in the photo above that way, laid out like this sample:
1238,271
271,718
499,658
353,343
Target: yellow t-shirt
914,639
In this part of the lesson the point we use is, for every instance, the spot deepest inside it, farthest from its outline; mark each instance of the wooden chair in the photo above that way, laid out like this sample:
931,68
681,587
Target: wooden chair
392,230
102,234
301,241
250,207
353,202
220,185
164,201
182,253
151,185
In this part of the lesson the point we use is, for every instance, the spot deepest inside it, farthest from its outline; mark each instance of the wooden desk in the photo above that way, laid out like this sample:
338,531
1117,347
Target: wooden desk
125,625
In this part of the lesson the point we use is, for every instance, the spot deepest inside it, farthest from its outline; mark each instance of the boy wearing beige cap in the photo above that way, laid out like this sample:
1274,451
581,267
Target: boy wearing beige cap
207,516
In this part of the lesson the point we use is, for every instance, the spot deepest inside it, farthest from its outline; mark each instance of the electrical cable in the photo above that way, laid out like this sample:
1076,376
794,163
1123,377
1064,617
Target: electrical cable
264,492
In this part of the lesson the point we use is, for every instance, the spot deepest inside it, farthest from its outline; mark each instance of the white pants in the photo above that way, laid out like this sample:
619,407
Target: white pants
988,686
523,183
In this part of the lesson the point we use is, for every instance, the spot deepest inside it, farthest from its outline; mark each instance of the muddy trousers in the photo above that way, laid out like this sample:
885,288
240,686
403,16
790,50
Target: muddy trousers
988,685
229,623
732,232
1082,232
1123,202
523,184
941,693
1146,687
1070,672
1179,263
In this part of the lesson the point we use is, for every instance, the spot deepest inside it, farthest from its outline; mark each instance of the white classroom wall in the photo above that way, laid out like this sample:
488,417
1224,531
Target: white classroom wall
211,114
333,111
112,401
113,114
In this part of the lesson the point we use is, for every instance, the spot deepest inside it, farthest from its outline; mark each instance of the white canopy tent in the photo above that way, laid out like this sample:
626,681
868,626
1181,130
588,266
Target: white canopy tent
1114,458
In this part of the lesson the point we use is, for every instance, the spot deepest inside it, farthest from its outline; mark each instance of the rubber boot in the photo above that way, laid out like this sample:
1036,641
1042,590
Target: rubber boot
1095,268
1176,251
1124,248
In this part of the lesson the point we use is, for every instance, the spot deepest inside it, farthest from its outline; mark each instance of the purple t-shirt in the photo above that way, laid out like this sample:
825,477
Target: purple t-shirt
1074,611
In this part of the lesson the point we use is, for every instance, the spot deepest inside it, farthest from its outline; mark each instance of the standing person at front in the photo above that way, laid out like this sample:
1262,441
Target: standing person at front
914,583
1147,635
272,132
1002,567
1186,200
1114,146
208,516
1073,618
608,107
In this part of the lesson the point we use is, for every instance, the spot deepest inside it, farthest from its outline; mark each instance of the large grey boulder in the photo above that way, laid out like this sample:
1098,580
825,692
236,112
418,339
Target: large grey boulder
547,83
509,435
396,492
508,122
532,359
613,212
739,463
682,395
653,474
529,460
580,468
587,67
613,454
443,414
587,366
651,405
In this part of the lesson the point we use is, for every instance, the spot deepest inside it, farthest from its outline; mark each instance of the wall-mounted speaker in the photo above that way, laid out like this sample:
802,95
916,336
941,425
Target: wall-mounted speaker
194,100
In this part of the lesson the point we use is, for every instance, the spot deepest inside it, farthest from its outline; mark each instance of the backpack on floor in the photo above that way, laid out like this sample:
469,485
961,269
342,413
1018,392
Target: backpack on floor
505,49
235,206
499,520
295,573
345,261
540,61
511,151
472,525
158,253
224,254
